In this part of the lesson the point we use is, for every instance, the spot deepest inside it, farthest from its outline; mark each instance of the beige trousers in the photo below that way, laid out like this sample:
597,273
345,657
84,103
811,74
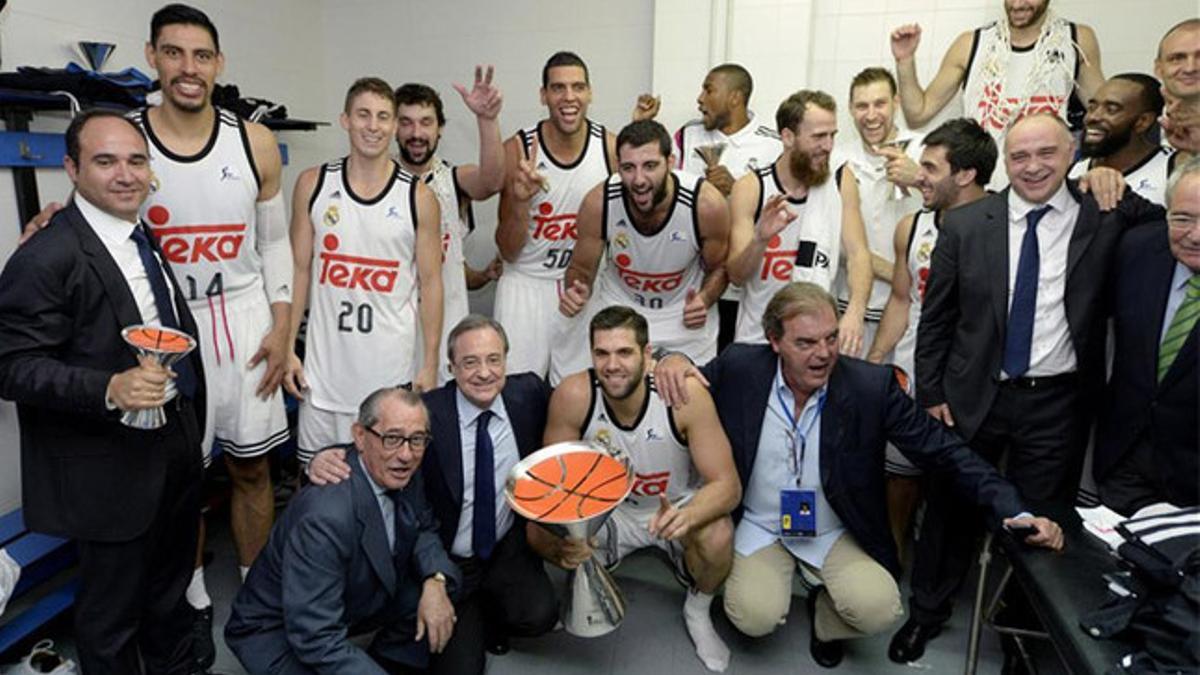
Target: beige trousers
859,598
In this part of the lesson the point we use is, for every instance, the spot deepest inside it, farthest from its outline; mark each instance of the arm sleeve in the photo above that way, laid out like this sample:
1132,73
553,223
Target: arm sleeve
275,248
429,555
939,317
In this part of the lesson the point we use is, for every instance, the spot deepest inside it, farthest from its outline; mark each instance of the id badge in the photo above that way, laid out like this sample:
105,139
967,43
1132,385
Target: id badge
798,512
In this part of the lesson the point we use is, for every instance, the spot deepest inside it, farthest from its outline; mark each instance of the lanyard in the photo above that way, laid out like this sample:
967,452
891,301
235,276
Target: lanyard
799,437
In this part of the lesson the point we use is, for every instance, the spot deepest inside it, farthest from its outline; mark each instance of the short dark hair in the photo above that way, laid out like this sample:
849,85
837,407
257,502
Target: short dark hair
414,93
871,76
75,128
370,85
790,113
967,146
559,59
472,322
641,132
1151,98
178,12
620,316
738,78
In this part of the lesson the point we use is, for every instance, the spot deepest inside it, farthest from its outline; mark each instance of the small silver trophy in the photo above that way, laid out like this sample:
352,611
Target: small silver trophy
95,53
571,489
166,346
711,154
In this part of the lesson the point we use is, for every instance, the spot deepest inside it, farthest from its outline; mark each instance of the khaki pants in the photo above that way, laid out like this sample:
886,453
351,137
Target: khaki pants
860,597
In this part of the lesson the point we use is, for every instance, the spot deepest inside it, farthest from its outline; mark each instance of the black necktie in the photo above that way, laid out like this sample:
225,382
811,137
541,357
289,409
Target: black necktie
1018,339
186,382
483,527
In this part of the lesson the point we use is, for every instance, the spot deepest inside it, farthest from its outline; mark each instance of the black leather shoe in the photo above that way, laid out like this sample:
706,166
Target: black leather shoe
908,644
204,652
498,645
827,653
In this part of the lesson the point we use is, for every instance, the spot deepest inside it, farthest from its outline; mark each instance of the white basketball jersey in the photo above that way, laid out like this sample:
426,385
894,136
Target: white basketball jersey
777,264
662,462
655,270
363,297
202,211
1148,177
552,228
921,240
750,148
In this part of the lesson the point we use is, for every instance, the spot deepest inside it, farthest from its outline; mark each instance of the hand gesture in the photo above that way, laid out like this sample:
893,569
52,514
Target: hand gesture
574,298
328,467
39,221
527,181
274,348
435,615
774,219
484,99
670,378
695,310
294,381
901,169
905,40
1106,185
668,522
646,107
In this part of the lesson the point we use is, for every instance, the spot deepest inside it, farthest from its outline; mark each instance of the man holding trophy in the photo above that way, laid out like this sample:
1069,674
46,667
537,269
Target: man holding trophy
129,496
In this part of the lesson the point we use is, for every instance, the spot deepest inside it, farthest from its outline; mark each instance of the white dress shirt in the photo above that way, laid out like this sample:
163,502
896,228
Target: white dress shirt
505,456
1051,352
115,234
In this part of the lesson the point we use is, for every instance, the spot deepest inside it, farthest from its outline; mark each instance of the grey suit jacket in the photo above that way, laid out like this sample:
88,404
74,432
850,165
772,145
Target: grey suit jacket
327,573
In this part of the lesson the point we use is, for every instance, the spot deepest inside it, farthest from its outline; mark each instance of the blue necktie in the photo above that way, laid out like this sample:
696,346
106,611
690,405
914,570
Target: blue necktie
1019,335
186,382
483,527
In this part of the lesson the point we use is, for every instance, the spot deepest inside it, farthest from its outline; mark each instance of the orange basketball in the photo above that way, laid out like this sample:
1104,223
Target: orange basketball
570,486
159,339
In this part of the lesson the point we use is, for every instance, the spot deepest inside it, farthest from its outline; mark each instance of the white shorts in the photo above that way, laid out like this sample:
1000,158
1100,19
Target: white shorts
528,309
895,463
231,330
625,532
318,429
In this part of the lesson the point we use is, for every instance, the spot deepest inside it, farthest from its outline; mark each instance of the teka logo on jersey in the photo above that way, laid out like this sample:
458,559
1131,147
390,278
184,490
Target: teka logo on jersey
651,484
646,282
355,272
184,244
553,227
777,263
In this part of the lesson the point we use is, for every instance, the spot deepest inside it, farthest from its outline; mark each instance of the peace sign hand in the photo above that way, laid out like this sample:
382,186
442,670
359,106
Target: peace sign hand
527,181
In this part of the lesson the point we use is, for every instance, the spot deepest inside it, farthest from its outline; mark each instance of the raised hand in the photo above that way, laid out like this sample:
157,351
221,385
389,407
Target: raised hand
695,310
528,182
484,99
774,219
905,40
646,107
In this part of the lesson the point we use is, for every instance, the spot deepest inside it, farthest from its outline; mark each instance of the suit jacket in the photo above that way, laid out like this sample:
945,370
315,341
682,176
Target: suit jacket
864,409
1139,412
63,304
327,573
961,342
526,398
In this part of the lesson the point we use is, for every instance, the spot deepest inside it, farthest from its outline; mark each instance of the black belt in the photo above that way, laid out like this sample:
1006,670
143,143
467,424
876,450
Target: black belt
1039,382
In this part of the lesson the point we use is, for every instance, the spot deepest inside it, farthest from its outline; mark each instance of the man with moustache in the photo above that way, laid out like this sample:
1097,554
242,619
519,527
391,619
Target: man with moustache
420,123
664,235
550,167
1117,127
786,221
685,483
366,237
1010,350
1030,62
354,557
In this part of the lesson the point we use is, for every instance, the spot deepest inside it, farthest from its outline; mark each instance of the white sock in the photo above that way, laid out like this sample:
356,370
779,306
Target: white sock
244,569
709,646
197,592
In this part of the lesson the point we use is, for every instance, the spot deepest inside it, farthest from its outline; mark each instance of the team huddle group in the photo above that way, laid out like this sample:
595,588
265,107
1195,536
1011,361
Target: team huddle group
893,315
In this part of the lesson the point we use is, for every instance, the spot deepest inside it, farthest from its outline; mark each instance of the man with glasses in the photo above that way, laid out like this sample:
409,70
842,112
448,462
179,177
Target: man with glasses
1146,443
482,418
348,558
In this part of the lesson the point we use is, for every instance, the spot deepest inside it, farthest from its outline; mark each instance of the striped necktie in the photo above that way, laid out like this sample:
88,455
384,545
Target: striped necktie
1181,326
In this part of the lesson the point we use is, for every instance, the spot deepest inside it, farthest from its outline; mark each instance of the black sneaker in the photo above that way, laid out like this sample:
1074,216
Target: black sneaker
204,652
827,653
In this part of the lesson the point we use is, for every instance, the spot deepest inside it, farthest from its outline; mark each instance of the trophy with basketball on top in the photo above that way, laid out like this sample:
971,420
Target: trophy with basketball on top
571,489
166,347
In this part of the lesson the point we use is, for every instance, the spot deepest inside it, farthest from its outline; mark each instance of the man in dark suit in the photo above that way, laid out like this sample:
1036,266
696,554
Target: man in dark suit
352,557
481,418
1148,443
130,497
807,426
1011,346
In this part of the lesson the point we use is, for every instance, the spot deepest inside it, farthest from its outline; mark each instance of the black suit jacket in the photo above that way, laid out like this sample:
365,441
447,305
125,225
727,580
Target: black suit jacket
961,342
526,398
327,573
1139,412
864,409
63,304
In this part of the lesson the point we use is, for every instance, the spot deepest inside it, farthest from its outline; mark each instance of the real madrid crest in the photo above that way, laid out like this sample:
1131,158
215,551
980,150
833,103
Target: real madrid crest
331,216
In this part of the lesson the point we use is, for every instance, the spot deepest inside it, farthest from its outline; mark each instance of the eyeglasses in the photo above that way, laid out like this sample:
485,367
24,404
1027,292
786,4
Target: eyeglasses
416,441
1182,221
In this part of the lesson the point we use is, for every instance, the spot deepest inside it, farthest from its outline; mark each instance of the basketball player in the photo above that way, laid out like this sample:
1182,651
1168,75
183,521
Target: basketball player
551,166
664,235
685,481
1029,62
216,208
816,224
366,238
956,164
883,166
1117,130
420,123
